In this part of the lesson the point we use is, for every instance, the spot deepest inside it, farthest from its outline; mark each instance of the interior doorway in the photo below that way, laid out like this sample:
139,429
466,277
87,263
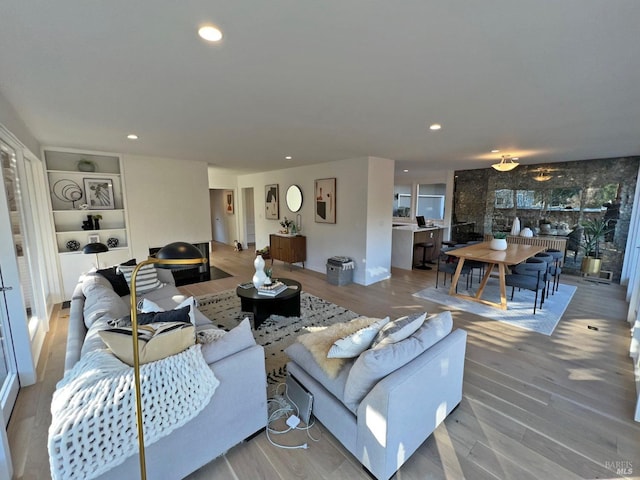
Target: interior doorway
223,204
249,217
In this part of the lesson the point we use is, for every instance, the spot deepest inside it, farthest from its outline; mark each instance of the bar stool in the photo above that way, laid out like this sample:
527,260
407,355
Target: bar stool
425,246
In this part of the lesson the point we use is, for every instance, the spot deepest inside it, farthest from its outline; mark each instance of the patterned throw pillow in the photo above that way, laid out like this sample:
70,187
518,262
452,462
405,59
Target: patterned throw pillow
399,329
155,341
146,280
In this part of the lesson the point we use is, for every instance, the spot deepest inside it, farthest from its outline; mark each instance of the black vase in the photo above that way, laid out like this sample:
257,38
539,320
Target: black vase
96,224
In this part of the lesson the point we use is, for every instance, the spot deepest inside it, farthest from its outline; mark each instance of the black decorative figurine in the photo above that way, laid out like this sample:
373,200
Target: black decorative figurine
88,223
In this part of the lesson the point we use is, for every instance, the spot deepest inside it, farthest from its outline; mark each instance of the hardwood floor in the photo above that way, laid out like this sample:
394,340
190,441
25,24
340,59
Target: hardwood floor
533,406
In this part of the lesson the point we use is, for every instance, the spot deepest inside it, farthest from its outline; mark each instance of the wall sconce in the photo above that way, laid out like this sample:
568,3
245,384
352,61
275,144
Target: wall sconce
506,164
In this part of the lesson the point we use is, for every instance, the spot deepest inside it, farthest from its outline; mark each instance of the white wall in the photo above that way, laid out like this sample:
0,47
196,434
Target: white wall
350,235
167,201
379,220
12,121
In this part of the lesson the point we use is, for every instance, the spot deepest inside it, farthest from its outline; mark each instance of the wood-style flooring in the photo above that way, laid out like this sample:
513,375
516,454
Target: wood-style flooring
533,407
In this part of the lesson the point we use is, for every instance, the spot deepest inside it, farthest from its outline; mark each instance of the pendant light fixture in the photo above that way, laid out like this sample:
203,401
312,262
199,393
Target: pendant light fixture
506,164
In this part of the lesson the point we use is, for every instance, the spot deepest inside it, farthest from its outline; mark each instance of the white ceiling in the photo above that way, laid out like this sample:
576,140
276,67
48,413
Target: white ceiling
549,80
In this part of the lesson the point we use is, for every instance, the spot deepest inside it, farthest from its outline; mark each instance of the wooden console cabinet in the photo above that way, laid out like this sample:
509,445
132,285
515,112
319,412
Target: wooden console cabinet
288,249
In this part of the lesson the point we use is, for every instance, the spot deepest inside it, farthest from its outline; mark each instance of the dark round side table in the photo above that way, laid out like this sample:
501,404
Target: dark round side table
286,303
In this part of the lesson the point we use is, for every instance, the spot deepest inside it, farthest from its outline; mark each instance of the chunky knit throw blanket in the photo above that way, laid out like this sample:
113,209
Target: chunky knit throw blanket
93,409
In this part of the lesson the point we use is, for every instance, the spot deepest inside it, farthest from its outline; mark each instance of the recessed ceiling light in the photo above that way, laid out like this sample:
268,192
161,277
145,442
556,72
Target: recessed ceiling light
210,33
405,170
132,136
288,157
495,150
515,158
435,126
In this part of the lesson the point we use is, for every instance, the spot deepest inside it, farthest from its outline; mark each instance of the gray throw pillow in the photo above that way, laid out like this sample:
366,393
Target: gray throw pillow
375,364
101,301
233,341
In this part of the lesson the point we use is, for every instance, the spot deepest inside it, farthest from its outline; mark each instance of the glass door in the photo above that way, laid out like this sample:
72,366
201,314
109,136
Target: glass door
15,291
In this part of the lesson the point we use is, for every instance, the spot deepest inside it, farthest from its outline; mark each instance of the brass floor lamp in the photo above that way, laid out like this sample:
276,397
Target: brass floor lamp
173,255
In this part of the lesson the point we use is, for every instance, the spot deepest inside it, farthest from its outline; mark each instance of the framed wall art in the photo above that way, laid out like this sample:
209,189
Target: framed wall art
272,202
228,201
325,200
99,193
93,238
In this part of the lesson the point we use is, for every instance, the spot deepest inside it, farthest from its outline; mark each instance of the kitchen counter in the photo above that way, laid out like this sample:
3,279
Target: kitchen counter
404,253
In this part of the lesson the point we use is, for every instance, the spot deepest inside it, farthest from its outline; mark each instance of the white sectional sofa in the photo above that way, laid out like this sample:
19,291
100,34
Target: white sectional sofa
237,410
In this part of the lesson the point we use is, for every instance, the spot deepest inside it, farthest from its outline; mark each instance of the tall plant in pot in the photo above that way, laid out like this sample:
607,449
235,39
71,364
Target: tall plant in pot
594,232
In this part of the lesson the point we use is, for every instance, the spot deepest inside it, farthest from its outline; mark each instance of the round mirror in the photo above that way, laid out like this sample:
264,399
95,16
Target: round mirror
294,198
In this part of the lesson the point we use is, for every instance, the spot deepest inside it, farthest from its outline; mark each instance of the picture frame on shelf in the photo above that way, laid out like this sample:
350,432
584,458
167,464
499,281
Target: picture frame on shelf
272,202
325,200
228,200
98,193
93,238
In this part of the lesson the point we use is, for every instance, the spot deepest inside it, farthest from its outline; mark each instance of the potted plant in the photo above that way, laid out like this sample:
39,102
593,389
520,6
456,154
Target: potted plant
286,224
594,232
499,241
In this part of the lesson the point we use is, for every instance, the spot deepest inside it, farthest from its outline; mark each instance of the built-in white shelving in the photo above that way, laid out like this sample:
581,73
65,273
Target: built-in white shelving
84,185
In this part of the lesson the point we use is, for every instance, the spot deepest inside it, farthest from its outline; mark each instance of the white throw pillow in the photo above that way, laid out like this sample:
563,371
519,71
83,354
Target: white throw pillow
145,306
354,344
192,303
399,329
146,280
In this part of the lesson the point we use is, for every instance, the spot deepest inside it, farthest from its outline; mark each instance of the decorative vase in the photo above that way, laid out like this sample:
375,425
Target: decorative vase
96,223
259,277
526,232
86,166
515,228
498,244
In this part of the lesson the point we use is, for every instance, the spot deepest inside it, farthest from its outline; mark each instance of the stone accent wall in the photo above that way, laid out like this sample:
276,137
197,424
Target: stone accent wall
475,200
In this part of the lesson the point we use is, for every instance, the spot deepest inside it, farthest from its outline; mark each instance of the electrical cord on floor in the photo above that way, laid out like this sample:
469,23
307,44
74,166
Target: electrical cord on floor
280,407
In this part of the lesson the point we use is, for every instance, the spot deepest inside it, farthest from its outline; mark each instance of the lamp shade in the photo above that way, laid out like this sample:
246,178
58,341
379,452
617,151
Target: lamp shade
179,251
96,247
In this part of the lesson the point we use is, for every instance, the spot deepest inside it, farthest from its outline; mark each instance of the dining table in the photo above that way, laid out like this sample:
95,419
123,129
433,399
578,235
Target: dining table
482,252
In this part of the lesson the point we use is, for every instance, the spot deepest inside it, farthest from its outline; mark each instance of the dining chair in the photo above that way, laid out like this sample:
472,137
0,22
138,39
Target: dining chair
555,270
550,261
529,275
448,264
473,264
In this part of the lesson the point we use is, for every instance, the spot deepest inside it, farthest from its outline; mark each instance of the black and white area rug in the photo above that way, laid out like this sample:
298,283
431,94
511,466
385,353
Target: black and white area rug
276,333
519,310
